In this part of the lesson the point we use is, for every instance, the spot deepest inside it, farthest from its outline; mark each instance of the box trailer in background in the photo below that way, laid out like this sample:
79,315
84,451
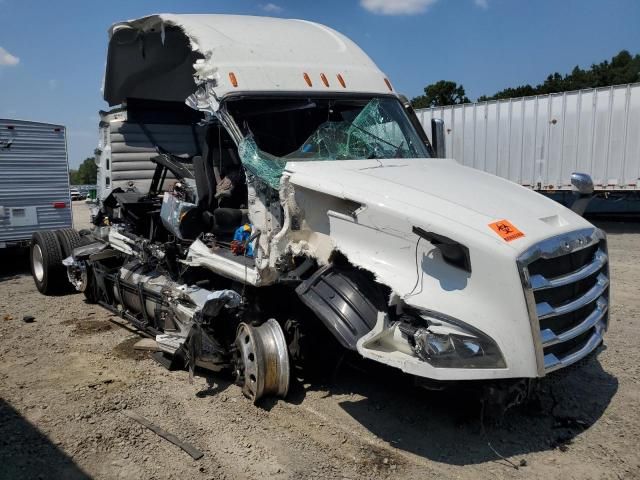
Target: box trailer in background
34,180
539,141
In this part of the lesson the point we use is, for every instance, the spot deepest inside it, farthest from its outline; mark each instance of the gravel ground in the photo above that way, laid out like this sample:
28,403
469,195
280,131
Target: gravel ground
81,214
66,379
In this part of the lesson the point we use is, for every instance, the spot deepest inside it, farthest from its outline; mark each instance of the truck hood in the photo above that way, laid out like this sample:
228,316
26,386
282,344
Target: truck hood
366,210
438,194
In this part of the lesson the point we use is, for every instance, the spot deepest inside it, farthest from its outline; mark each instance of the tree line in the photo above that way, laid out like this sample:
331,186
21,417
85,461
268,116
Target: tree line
86,174
622,68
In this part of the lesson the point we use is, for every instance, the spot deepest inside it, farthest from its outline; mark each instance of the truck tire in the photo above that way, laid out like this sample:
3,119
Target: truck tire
69,239
45,260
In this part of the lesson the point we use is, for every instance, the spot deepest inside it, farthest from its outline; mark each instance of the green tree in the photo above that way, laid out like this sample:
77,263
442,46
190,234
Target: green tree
86,174
443,92
521,91
623,68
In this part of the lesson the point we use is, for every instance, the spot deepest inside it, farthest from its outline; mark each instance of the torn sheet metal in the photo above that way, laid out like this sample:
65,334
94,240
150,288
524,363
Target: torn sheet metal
204,99
202,256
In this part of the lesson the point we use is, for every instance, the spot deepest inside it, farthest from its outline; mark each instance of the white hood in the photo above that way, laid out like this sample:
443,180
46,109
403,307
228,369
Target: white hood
441,193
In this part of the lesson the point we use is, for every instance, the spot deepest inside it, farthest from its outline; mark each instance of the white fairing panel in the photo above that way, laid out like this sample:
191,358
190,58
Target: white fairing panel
166,56
126,150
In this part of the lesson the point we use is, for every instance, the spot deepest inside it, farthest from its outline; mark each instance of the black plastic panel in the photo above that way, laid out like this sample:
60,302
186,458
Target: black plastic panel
343,300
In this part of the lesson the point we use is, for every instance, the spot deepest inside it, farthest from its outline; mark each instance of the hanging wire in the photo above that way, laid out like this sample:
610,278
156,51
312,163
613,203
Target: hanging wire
418,276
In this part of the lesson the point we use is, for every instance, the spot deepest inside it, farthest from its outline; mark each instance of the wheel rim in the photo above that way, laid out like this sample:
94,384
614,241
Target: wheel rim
262,360
36,260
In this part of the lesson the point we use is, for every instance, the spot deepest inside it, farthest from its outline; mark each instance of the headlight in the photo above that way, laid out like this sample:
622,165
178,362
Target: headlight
449,343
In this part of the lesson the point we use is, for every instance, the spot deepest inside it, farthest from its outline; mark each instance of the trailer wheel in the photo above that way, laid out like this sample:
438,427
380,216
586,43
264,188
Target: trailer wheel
261,360
69,239
46,263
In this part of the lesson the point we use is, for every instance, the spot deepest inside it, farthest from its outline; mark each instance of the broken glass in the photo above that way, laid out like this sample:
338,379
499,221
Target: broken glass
373,133
262,164
379,130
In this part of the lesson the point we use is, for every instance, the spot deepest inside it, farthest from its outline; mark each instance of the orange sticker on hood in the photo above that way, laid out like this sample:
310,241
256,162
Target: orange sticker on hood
506,230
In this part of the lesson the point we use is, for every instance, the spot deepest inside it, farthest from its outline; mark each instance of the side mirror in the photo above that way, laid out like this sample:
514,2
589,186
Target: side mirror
583,188
437,137
582,183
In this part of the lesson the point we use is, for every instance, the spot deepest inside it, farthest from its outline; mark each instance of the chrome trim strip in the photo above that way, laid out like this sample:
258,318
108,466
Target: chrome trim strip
551,362
549,337
540,282
561,245
533,319
544,310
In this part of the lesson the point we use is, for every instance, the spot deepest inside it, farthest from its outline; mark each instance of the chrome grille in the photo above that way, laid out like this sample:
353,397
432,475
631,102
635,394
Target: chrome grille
566,285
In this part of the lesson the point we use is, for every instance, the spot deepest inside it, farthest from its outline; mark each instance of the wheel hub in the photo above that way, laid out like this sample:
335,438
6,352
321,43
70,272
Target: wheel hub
262,360
78,276
36,259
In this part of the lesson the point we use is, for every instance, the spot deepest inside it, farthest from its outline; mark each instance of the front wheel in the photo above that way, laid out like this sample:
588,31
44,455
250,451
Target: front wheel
261,360
45,258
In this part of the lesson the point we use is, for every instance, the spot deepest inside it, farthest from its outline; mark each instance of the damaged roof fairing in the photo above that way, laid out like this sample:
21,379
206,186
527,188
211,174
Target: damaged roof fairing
166,56
148,60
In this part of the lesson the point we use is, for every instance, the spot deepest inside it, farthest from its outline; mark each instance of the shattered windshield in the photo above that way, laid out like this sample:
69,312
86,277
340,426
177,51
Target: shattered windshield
380,130
281,130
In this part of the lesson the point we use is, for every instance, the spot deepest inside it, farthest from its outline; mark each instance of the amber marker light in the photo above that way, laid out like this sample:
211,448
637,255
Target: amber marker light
307,79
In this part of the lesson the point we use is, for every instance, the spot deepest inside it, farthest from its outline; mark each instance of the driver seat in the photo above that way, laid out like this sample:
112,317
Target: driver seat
221,221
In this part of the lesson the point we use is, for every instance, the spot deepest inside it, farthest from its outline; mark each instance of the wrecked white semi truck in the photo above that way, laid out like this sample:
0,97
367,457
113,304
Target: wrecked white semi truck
263,183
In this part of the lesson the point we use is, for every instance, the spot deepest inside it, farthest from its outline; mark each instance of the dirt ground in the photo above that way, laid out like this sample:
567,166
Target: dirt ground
67,377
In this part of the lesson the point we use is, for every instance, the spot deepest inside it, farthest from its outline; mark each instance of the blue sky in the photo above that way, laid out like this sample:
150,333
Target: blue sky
52,53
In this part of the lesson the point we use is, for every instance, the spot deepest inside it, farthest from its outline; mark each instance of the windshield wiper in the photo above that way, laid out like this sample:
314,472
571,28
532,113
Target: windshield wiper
398,150
375,136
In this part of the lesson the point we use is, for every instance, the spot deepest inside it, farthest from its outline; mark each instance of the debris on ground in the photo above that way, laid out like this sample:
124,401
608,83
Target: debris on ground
146,344
187,447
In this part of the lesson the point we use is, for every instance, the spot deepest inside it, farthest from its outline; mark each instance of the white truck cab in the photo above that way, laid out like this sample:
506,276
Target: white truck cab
270,163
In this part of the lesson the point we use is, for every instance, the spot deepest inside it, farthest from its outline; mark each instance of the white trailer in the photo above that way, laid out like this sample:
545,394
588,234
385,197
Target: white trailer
34,180
539,141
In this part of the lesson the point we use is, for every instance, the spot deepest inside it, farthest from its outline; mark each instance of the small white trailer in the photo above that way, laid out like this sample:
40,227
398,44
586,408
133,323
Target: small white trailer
34,180
539,141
